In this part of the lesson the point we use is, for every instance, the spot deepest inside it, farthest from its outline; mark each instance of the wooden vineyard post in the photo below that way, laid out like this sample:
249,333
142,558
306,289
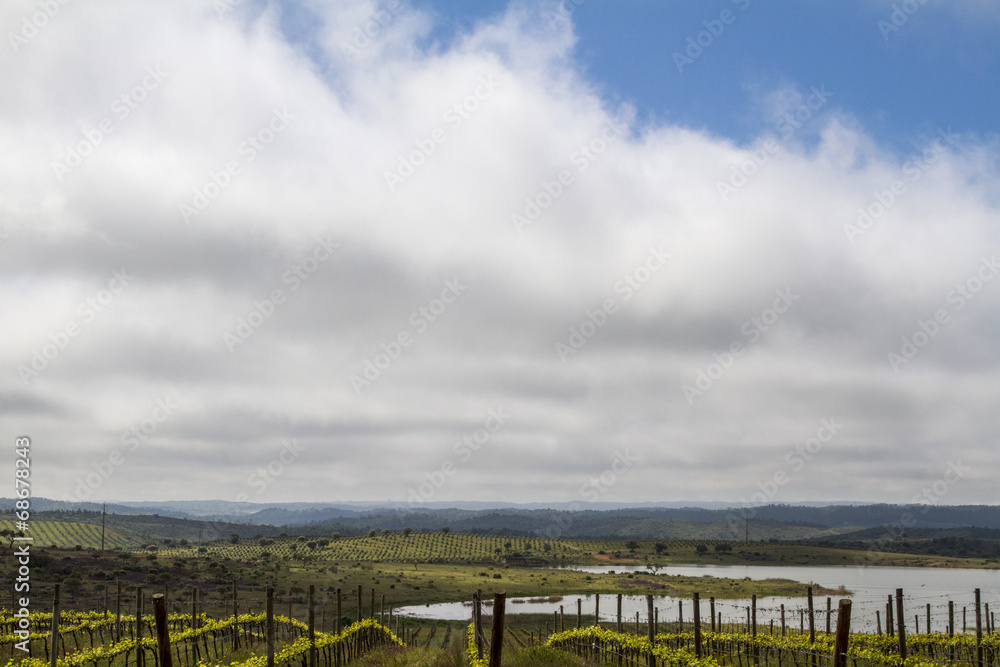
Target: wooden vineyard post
312,625
496,646
979,631
269,625
753,628
812,617
54,630
697,624
336,624
372,607
579,613
928,618
597,610
619,627
162,636
562,619
361,612
878,622
951,629
194,608
236,615
828,613
711,613
900,629
194,619
843,634
139,657
118,613
782,620
680,616
105,601
477,609
651,659
890,623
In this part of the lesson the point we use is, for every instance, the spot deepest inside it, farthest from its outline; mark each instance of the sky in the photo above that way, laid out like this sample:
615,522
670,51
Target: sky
429,251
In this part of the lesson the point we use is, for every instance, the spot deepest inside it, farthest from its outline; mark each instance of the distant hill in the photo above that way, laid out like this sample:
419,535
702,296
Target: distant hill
780,522
964,542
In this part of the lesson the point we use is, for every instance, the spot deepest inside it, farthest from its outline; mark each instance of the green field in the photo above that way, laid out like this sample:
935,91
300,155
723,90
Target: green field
68,534
463,548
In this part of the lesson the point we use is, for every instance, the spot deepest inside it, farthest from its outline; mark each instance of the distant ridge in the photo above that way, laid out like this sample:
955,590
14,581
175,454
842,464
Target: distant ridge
593,520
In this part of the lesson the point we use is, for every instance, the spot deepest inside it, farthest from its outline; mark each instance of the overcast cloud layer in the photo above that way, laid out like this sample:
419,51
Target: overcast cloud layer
244,261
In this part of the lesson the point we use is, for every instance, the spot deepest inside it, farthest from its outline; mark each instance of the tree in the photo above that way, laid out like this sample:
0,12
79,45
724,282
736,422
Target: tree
723,548
372,533
407,531
234,538
702,549
446,530
660,548
631,545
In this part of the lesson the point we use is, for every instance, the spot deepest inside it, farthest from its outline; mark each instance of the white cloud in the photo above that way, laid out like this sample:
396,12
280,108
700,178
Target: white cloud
526,115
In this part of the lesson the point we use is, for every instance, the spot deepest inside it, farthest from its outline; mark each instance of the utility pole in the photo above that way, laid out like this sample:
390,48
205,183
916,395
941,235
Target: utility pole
104,511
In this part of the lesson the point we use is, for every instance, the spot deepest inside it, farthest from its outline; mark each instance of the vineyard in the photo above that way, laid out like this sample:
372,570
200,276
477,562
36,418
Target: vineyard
723,649
738,645
161,534
70,534
100,638
387,548
440,547
362,627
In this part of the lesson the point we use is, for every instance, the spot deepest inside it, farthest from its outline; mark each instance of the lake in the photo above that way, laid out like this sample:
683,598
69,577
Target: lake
868,586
